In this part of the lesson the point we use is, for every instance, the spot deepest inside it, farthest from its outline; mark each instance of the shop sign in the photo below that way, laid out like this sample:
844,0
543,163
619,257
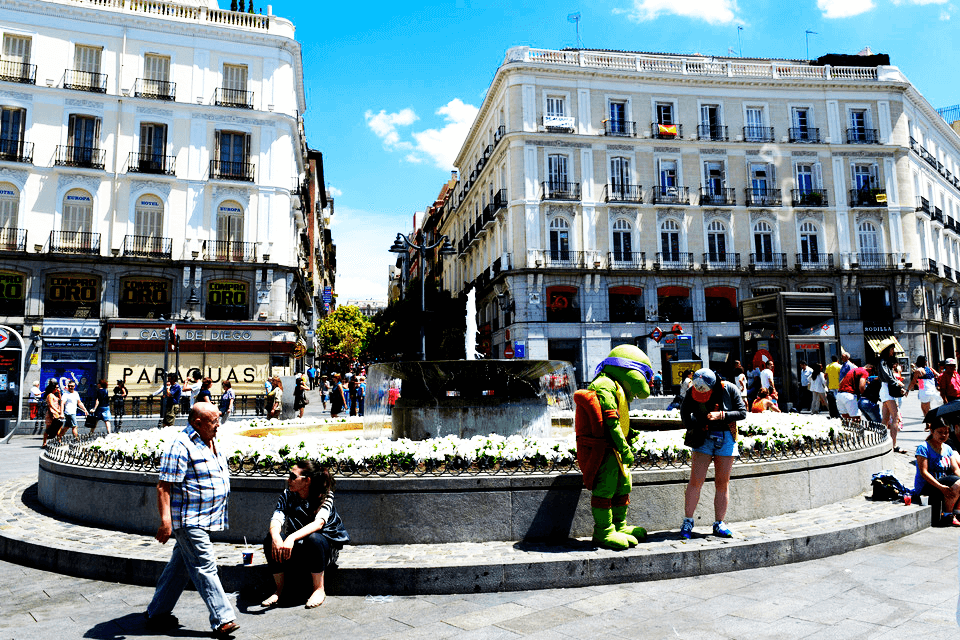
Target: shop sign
144,298
70,331
72,296
228,294
327,295
143,372
878,328
11,286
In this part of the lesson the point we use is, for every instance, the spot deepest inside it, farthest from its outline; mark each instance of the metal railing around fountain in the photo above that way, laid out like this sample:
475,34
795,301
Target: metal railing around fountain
851,436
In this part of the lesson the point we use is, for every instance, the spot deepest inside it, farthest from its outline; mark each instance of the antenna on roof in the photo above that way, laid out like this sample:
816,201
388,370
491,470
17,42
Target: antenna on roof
807,36
575,18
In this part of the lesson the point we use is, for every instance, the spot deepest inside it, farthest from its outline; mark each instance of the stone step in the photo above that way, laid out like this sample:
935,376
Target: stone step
34,536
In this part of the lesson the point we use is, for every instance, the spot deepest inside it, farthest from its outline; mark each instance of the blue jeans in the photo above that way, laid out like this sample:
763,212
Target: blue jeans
718,443
193,559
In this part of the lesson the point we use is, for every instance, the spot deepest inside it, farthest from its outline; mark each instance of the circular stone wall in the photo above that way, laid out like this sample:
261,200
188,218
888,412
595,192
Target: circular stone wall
474,507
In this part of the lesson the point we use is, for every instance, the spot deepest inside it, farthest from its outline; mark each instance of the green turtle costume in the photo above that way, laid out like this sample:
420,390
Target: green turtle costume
603,442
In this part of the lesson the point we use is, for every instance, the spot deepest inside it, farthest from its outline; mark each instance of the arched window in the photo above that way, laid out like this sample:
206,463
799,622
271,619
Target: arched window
721,304
77,212
148,217
763,244
809,242
229,246
868,237
622,241
9,206
717,241
559,240
670,241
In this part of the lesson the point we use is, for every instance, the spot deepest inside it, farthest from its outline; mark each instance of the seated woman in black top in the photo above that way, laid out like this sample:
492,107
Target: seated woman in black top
305,530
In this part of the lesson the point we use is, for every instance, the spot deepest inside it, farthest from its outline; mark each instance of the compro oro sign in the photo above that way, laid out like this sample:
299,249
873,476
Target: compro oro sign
228,300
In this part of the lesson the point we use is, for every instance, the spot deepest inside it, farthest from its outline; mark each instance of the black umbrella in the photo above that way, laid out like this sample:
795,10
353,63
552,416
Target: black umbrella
947,413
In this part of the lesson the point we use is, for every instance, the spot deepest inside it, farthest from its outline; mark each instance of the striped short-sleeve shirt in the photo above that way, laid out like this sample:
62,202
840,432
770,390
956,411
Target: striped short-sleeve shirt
201,482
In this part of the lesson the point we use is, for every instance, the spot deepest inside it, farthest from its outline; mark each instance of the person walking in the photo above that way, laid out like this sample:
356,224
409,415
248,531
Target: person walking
833,385
119,397
766,381
949,381
818,389
300,400
805,396
172,394
101,407
192,495
891,389
337,398
227,398
924,380
710,412
71,403
34,401
53,418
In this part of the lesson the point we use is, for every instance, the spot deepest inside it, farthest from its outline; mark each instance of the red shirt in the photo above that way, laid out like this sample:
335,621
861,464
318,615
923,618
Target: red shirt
950,385
851,381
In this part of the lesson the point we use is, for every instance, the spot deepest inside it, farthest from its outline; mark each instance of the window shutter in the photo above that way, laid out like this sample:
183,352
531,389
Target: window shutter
817,176
246,146
874,176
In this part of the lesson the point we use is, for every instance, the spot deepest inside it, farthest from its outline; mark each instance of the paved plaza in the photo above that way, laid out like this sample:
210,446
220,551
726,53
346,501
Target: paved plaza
906,588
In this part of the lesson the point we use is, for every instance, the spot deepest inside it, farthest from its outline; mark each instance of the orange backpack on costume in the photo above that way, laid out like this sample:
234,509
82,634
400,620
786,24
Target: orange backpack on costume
591,435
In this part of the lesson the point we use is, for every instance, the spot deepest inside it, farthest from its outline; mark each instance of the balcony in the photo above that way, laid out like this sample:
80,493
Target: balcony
937,215
478,225
489,216
671,195
85,81
238,98
88,157
12,239
805,134
923,205
154,89
814,261
721,262
559,190
500,200
878,260
561,258
768,261
21,72
868,198
230,251
16,151
487,152
623,193
809,197
499,134
758,134
859,135
932,267
151,163
666,131
229,170
620,128
674,261
559,124
147,247
717,197
81,242
763,197
627,260
713,132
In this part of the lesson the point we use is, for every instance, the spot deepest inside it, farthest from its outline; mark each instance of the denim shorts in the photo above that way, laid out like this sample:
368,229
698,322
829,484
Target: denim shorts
718,443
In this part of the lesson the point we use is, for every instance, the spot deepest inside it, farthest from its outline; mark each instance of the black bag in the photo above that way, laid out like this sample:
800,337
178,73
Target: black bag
896,389
886,487
91,421
695,438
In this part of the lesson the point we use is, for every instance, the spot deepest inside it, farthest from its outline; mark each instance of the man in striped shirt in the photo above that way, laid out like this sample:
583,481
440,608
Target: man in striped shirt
192,497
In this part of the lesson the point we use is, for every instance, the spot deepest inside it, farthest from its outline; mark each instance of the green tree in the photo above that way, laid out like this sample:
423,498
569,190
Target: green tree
250,7
344,333
397,328
233,5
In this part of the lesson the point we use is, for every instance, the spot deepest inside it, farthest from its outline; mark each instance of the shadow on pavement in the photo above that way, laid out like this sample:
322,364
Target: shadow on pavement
135,624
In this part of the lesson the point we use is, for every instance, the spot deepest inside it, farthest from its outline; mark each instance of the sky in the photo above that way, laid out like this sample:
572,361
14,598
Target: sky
392,87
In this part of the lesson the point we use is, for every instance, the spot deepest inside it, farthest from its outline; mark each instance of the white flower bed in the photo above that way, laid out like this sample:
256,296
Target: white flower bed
759,433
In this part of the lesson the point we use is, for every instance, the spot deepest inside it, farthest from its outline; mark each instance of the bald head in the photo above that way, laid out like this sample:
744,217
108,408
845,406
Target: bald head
205,418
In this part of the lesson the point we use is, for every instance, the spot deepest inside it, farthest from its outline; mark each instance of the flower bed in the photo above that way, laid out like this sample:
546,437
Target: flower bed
763,436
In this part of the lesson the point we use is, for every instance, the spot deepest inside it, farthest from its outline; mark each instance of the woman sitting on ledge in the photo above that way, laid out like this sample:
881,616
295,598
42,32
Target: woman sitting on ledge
938,470
764,403
305,530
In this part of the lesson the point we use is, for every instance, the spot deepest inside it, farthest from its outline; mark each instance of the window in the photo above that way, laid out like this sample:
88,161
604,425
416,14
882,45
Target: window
754,131
87,59
12,123
673,304
804,178
148,217
622,241
809,242
562,304
670,241
9,206
858,120
710,122
16,59
227,300
83,136
559,240
717,241
668,175
156,68
720,304
77,212
617,124
233,152
556,106
557,172
620,177
713,175
153,146
869,239
865,177
801,121
664,113
763,241
142,297
626,304
235,77
230,222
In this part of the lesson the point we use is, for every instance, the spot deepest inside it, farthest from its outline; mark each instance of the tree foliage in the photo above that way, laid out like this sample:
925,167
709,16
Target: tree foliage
344,333
233,5
397,332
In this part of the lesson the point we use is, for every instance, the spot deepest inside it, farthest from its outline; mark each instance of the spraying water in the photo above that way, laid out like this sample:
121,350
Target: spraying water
470,338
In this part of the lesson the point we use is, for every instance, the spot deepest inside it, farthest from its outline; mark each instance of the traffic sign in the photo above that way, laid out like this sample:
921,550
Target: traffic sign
508,351
4,338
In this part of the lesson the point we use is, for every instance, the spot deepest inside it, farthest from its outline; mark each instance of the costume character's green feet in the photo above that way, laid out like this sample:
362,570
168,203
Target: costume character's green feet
613,539
619,515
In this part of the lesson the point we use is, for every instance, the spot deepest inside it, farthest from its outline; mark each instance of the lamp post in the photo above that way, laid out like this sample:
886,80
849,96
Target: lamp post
401,245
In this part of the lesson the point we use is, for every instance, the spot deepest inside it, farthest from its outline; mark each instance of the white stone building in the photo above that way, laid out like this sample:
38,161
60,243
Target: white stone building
604,194
151,165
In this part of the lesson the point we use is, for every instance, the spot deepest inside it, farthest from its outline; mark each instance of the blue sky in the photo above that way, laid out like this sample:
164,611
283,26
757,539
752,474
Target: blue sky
392,87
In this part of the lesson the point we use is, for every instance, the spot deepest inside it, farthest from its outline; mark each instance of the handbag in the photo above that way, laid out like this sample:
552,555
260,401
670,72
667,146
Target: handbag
896,389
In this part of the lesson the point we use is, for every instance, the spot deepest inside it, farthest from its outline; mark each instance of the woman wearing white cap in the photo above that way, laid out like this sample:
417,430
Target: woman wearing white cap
891,389
710,412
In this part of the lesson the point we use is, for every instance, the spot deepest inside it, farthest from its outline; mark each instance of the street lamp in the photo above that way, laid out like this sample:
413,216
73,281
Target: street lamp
401,245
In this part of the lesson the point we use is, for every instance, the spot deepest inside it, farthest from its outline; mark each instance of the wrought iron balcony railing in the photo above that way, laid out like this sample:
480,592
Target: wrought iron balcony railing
82,242
239,98
721,261
666,131
627,260
230,170
715,132
859,135
761,197
22,72
147,247
16,151
868,198
559,190
675,260
499,134
623,193
89,157
230,251
933,267
85,81
877,260
809,197
805,134
500,200
815,261
562,258
671,195
923,205
619,128
154,89
717,197
947,272
151,163
768,261
13,239
758,134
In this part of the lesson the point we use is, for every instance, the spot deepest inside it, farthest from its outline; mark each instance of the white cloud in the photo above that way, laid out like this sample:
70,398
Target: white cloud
844,8
333,191
710,11
944,15
899,2
437,145
362,239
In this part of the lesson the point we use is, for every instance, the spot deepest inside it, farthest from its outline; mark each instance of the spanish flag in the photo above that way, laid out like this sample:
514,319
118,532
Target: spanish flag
667,130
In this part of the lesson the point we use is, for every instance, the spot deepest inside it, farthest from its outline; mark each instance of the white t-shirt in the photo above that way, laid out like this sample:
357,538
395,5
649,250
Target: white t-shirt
70,401
742,384
766,379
